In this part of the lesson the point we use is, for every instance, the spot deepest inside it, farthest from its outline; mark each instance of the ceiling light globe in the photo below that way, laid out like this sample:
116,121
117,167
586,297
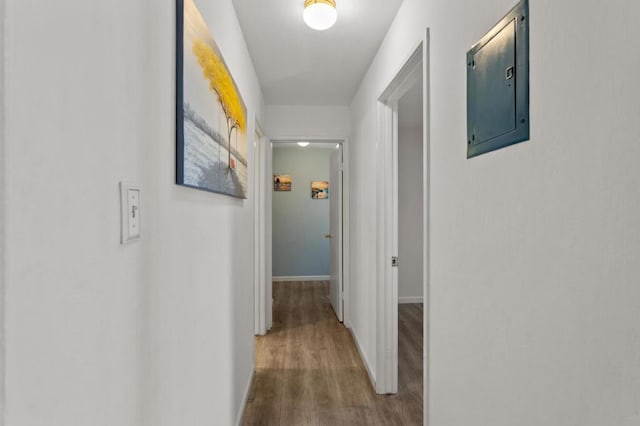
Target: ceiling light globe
320,15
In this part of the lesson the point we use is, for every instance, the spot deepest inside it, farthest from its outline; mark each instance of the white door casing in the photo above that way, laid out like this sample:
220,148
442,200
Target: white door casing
410,72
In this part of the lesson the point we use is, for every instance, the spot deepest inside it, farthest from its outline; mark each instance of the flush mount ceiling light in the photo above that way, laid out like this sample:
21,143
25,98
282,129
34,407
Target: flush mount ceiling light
303,144
320,14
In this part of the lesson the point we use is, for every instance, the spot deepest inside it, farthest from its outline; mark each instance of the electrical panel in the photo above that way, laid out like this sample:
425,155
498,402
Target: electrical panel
498,85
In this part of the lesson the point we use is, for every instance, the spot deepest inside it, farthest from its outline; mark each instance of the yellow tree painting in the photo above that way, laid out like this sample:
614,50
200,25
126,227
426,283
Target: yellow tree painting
221,83
211,127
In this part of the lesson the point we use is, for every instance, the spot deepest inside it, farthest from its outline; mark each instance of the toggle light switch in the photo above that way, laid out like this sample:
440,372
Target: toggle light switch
130,212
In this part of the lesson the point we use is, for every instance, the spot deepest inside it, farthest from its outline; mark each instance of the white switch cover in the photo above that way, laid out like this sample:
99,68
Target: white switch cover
130,216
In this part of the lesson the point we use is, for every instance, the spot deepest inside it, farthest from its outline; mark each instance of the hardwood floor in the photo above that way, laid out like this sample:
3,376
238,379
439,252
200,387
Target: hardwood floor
309,372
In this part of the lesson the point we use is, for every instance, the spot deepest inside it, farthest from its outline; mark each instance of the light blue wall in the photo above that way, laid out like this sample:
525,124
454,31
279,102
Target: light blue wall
299,222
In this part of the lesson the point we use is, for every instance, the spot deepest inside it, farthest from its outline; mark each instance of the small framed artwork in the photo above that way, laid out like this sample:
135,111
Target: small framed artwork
319,189
282,183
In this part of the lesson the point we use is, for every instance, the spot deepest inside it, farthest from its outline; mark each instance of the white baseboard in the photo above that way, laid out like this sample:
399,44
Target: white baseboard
412,299
245,397
303,278
365,361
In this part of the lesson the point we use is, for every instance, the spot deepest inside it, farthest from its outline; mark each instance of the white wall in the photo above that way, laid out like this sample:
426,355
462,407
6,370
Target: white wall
157,332
410,212
534,248
76,111
201,270
331,122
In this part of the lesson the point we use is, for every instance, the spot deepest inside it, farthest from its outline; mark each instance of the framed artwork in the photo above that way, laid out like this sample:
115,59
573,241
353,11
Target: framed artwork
211,125
319,189
282,183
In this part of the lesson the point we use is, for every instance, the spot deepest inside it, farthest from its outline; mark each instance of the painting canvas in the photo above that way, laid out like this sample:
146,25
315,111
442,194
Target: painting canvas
281,182
210,113
319,190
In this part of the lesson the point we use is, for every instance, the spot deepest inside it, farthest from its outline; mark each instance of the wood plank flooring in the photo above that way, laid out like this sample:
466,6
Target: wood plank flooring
309,372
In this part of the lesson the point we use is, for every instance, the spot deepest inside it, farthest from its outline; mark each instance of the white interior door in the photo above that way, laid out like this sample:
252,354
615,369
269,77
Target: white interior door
335,232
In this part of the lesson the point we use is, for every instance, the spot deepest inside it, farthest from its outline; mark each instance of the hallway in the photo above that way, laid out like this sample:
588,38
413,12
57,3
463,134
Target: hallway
308,371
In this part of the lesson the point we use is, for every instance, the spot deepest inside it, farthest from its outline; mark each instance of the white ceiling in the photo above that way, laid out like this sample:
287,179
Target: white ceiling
300,66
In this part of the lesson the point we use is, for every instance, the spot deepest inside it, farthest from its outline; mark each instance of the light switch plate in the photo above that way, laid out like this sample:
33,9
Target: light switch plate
130,212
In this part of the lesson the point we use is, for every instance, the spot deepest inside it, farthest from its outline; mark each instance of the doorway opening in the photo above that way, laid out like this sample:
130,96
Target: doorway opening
307,215
403,233
305,220
410,206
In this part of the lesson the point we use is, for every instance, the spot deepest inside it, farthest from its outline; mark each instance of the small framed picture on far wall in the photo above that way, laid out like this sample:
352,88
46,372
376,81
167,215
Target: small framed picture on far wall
282,183
319,189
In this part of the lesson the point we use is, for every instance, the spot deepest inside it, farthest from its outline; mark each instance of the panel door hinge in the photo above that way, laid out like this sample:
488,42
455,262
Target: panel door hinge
394,261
